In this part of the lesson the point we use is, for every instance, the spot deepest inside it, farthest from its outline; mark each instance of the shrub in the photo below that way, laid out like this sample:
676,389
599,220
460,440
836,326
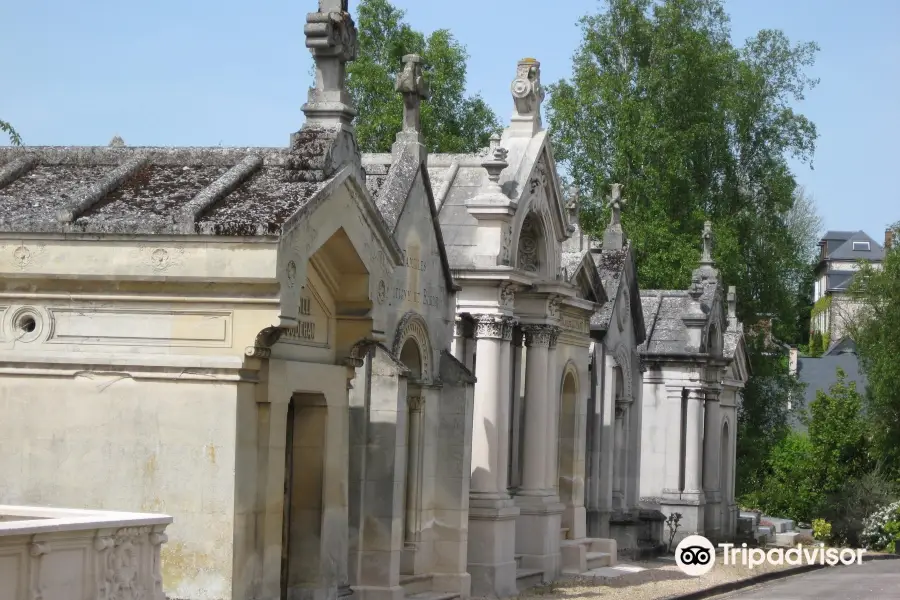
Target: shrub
821,530
881,529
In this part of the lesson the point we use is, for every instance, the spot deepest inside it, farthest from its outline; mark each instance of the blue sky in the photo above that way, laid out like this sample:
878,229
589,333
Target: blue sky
234,73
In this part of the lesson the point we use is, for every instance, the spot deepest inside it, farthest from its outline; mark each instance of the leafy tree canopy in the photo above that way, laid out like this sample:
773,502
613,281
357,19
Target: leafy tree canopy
875,332
451,120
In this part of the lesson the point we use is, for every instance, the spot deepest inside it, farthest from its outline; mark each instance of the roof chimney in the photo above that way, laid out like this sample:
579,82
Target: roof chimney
888,238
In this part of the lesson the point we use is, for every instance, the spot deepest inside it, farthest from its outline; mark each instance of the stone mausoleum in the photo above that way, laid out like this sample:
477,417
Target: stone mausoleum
245,340
523,328
697,366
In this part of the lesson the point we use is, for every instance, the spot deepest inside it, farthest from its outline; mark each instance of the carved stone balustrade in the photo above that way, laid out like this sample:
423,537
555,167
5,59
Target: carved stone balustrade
80,554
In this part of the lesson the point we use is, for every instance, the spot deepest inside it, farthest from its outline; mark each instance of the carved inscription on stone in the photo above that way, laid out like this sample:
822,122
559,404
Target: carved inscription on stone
413,285
312,324
571,323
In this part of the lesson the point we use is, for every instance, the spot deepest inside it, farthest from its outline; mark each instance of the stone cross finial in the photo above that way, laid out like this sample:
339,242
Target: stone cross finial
732,302
528,94
412,84
706,258
614,237
331,37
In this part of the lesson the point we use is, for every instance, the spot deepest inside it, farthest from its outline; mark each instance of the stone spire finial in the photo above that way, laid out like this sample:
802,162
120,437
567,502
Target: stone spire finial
331,37
412,84
706,257
528,94
614,237
732,302
116,142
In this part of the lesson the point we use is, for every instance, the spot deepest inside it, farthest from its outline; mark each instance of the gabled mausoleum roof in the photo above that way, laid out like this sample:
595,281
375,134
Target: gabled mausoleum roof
156,190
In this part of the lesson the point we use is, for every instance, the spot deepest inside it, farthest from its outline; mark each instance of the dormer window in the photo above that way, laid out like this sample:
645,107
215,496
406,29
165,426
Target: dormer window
861,246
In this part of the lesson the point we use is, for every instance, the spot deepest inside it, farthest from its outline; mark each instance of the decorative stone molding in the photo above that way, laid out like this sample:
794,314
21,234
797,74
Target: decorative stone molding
416,403
539,335
507,295
554,336
508,325
262,345
413,326
553,307
488,326
528,253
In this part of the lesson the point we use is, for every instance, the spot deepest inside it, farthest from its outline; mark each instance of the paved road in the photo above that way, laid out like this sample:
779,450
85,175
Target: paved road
875,580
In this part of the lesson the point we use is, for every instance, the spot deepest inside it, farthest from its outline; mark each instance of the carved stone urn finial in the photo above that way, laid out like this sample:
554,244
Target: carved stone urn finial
495,165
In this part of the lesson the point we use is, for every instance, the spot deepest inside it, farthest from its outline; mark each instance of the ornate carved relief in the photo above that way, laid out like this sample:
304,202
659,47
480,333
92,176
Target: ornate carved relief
415,403
508,324
488,326
528,255
505,244
553,307
507,295
539,335
413,326
526,88
539,178
554,336
23,257
290,272
161,259
382,291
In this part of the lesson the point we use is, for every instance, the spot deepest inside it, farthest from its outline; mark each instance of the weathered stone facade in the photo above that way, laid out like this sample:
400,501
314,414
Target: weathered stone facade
696,367
246,340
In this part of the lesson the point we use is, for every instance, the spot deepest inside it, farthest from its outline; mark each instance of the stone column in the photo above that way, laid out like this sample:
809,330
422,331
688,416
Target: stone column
607,447
553,397
492,514
414,466
673,419
694,443
619,454
505,372
488,424
516,419
537,341
538,525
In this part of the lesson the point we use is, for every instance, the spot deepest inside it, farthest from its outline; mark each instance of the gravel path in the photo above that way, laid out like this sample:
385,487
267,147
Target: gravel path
662,579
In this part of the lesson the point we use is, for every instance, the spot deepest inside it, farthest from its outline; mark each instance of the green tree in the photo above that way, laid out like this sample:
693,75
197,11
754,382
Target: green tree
696,128
875,332
14,138
451,120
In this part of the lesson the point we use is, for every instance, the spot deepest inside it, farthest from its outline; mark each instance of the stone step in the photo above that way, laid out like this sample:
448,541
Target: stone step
789,538
433,596
595,560
415,584
528,578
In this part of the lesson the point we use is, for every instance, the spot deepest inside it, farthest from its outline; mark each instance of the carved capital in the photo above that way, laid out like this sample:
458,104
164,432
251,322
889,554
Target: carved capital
518,337
489,326
554,336
620,410
508,324
415,403
538,336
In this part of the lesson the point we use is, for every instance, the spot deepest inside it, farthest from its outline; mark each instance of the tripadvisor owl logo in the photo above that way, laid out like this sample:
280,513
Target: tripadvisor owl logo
695,555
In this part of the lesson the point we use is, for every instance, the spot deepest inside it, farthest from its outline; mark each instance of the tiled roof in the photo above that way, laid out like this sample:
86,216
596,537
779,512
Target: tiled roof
144,190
